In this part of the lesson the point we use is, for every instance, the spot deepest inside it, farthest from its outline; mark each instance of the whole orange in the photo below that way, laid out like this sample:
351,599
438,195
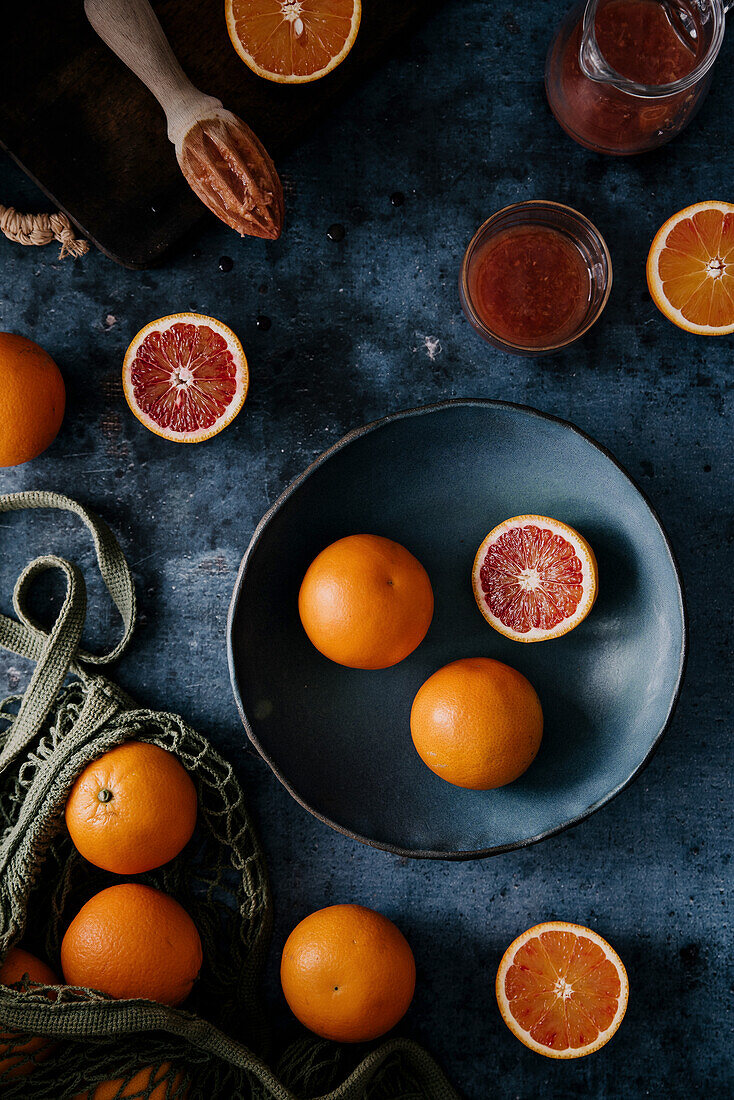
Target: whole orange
32,399
366,602
18,1056
477,723
133,941
133,809
348,973
163,1082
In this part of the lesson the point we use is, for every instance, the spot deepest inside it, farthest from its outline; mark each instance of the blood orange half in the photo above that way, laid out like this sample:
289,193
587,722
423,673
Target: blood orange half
690,268
534,578
562,990
185,377
293,41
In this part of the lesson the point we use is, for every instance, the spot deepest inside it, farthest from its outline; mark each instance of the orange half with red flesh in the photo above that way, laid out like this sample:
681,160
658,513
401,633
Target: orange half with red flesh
534,578
185,377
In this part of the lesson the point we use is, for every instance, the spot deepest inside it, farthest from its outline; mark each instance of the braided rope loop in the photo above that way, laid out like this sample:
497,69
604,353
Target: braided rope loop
40,229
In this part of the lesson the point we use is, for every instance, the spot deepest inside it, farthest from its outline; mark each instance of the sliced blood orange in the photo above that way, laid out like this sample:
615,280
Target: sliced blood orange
690,268
534,578
293,41
185,377
562,990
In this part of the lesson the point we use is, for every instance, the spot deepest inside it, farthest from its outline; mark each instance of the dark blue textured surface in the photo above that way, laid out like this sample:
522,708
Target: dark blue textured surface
457,121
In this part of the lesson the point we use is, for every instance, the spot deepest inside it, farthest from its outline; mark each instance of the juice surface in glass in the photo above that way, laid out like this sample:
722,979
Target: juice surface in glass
530,285
621,74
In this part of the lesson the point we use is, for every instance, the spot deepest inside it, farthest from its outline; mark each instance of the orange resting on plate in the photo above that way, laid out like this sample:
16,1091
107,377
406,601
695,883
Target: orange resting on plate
534,578
477,723
293,41
562,990
365,602
690,268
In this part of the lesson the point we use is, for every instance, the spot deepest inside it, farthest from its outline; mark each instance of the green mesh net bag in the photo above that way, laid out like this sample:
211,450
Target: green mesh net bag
63,1042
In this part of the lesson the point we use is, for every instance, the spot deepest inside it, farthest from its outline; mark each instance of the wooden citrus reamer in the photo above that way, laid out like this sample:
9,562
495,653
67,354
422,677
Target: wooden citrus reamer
222,160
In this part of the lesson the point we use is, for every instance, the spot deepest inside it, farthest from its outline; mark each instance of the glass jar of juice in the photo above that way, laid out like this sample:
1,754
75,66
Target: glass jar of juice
624,76
535,277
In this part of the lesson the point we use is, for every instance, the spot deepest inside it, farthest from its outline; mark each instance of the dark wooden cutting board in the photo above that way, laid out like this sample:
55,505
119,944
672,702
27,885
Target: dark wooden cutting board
94,139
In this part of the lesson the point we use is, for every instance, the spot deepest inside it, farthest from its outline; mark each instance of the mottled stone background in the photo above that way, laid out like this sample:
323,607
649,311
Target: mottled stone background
457,121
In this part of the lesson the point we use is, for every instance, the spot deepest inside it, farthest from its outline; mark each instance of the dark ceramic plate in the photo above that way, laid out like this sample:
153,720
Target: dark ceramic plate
437,480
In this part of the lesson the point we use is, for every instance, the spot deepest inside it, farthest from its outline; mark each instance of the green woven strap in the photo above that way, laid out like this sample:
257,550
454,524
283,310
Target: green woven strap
57,652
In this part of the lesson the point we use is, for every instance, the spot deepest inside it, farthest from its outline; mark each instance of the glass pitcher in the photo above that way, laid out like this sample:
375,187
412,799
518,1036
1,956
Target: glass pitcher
624,76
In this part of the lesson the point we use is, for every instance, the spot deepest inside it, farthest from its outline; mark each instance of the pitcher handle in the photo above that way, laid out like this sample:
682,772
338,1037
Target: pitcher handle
591,60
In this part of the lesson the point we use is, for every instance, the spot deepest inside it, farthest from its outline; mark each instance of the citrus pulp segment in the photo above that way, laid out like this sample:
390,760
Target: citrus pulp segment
293,41
185,377
562,989
690,268
534,578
